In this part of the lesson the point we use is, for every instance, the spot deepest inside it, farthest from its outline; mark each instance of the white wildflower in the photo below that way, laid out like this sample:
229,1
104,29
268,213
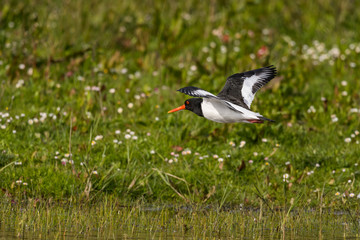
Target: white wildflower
285,177
19,84
98,137
64,161
311,109
334,118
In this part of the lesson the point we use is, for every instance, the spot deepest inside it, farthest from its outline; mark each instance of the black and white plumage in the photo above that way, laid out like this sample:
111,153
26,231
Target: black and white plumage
233,102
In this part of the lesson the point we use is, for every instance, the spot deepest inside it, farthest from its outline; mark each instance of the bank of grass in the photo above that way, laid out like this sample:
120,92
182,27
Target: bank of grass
86,86
111,219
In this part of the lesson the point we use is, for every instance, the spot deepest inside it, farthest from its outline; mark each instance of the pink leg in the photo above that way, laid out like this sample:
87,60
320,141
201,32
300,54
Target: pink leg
255,121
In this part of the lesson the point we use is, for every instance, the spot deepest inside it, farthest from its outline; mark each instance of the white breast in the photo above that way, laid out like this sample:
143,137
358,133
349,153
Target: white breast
218,111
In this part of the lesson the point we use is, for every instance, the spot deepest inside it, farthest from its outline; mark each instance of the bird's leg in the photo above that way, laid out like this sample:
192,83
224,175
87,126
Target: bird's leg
255,121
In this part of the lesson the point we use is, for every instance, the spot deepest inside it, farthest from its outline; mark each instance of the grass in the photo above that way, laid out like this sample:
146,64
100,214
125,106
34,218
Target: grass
109,219
86,86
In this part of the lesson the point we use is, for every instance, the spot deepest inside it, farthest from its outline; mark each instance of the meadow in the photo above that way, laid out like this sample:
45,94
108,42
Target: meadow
85,91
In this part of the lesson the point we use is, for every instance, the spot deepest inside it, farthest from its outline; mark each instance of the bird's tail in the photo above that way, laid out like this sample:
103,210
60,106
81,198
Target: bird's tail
266,119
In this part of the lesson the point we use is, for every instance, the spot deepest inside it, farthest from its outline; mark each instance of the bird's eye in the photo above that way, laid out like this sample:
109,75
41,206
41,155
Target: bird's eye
187,102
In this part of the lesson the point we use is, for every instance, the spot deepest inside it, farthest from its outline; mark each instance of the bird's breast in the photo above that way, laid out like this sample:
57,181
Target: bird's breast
218,111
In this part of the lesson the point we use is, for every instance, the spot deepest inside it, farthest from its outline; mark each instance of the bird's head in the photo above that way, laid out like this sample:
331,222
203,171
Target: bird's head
191,104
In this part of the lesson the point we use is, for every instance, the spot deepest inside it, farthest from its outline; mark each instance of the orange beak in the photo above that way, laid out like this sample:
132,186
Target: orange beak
177,109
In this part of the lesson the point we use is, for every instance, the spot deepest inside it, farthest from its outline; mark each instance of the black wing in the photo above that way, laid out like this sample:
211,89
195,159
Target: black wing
240,88
197,92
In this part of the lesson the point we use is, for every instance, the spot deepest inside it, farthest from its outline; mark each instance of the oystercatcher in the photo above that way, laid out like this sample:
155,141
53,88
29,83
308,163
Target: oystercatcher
232,104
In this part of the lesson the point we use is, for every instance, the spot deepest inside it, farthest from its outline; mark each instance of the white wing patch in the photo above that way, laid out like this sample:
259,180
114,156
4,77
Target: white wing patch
197,92
203,93
247,89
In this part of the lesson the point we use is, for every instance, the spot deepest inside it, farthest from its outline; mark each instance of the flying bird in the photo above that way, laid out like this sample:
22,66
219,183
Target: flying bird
232,104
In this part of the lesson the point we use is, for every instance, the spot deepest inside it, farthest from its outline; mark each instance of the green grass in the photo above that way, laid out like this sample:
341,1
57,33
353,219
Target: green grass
82,63
109,219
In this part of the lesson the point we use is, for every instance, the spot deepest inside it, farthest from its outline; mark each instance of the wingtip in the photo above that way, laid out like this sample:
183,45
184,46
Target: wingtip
184,88
273,69
181,90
